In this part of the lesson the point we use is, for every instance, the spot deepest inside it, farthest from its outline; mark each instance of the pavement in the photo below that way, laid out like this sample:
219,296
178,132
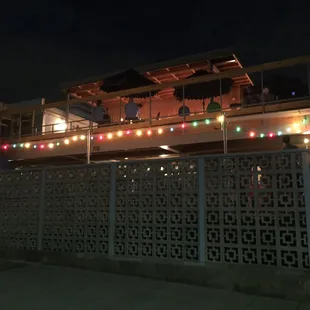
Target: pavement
41,287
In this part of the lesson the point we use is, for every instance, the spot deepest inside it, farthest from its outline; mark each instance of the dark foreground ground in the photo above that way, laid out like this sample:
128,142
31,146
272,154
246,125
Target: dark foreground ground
39,287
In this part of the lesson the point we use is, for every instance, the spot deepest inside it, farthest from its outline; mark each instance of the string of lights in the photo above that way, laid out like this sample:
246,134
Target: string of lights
293,129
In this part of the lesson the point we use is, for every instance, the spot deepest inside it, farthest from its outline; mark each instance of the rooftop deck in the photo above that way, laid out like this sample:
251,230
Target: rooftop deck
167,134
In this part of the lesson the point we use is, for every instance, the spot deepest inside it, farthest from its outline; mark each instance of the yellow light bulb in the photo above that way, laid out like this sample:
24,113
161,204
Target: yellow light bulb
82,137
120,133
27,145
139,133
74,138
221,118
110,136
51,145
306,140
67,141
160,131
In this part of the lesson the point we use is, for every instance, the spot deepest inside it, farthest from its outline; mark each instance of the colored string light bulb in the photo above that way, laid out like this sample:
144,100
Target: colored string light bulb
238,129
160,131
207,121
252,134
195,124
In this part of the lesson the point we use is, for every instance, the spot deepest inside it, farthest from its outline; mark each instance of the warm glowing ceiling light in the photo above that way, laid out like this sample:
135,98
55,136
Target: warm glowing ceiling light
27,145
82,137
139,133
51,145
252,134
74,138
119,133
288,129
160,131
67,141
221,118
306,140
110,135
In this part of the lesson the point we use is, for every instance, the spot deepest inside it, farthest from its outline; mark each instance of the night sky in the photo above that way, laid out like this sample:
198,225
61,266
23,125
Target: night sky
49,42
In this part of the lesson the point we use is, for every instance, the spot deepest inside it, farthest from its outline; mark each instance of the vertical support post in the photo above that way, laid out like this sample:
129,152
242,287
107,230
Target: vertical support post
91,122
19,126
33,122
120,110
262,90
43,116
224,129
150,108
0,126
183,102
308,78
306,175
221,95
112,209
41,209
67,112
88,145
201,209
223,123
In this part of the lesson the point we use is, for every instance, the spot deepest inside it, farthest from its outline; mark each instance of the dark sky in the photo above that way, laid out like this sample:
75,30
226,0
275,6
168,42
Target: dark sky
48,42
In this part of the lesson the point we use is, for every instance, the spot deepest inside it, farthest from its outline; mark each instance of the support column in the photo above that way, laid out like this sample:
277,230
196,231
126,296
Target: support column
150,108
41,210
88,146
112,207
306,176
201,209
